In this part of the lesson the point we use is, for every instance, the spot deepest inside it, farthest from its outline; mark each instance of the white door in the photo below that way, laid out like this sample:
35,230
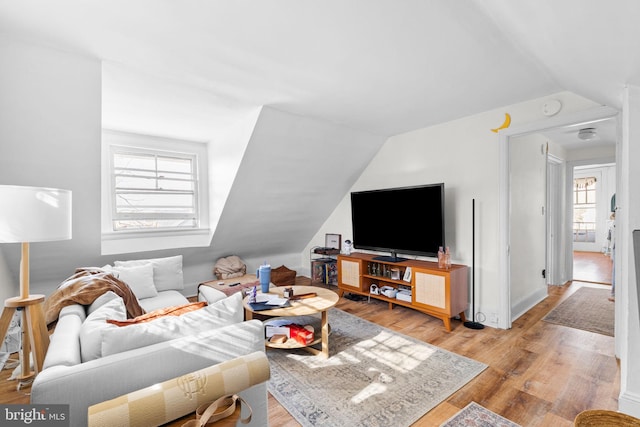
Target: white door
527,226
555,219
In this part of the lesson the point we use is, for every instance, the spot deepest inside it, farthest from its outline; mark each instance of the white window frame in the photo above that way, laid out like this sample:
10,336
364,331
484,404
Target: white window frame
153,154
141,240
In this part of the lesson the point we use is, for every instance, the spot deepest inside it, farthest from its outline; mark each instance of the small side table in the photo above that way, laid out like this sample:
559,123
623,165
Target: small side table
323,301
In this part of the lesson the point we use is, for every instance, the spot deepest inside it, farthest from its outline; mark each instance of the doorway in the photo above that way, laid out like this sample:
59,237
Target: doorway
562,258
593,222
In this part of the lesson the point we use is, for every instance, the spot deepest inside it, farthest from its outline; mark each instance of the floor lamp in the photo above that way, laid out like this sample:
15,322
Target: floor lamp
31,214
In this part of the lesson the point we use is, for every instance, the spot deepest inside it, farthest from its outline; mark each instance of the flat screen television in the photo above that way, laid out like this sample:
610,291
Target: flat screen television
405,220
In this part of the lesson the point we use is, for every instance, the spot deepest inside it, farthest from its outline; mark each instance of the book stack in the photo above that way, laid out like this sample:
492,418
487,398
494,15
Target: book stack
325,270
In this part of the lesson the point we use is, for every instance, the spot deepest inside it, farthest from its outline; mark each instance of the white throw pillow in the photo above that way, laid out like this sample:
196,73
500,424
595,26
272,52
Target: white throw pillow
95,323
139,278
167,272
221,313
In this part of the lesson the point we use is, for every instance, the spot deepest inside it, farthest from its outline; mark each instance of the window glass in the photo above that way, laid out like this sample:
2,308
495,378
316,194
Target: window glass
584,209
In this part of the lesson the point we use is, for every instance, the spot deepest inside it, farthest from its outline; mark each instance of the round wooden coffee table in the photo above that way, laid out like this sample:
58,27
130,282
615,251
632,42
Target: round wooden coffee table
323,301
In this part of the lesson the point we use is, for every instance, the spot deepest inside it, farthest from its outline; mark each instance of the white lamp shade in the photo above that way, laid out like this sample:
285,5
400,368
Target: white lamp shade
34,214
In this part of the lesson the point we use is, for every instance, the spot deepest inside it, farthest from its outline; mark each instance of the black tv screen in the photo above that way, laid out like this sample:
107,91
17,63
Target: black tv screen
407,220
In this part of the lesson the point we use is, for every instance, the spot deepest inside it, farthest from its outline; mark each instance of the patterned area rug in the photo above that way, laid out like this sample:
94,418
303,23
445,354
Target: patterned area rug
474,415
587,309
373,377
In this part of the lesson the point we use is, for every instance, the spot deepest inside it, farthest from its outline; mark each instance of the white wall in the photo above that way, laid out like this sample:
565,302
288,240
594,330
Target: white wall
527,227
10,284
50,136
627,220
464,155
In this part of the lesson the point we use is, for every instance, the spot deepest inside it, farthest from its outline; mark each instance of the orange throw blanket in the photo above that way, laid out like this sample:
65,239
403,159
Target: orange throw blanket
176,310
83,288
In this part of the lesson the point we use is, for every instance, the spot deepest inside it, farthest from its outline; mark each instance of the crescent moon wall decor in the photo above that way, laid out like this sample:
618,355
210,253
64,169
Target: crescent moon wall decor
507,122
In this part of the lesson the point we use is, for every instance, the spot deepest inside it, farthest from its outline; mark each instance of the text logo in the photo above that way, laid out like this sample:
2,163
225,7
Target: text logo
34,415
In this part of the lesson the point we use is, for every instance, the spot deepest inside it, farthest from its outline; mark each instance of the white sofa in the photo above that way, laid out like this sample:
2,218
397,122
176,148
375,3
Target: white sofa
90,361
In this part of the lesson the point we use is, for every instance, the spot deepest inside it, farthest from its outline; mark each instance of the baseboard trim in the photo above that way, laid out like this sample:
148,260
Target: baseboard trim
629,403
527,304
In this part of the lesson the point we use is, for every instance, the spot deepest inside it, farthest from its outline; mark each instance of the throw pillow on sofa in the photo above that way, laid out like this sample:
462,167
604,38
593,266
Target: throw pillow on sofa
216,315
138,277
167,272
95,324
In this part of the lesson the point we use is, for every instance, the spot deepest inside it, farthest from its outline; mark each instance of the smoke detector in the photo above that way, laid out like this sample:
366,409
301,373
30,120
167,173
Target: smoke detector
551,107
587,134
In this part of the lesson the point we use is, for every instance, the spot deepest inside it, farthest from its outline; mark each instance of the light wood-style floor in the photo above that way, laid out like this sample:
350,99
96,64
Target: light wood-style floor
593,267
539,374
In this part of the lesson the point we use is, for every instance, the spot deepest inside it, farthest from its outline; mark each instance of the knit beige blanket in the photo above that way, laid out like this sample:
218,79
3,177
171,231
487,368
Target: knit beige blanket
229,267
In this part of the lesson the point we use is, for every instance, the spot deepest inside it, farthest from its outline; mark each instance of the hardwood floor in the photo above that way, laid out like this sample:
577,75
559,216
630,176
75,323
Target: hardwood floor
539,374
594,267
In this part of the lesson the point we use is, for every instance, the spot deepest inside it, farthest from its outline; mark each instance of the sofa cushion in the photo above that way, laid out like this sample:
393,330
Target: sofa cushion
164,299
94,326
225,312
210,295
64,347
73,310
100,301
138,277
167,272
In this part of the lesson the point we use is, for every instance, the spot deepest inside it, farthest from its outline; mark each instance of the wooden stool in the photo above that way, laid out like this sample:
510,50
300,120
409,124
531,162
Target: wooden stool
35,338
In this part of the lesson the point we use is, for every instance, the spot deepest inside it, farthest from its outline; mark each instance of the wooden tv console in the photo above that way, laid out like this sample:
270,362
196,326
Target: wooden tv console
441,293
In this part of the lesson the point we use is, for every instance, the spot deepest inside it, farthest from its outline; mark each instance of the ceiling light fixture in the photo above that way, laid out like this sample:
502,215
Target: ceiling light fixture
587,133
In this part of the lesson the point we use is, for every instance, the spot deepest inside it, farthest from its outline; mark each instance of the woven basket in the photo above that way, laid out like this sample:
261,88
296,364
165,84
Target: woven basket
602,418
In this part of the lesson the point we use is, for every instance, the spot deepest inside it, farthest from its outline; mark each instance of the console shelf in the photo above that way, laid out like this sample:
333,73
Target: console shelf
441,293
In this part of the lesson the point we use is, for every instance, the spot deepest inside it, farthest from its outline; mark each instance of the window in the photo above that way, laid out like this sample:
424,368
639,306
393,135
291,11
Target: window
153,190
584,209
154,193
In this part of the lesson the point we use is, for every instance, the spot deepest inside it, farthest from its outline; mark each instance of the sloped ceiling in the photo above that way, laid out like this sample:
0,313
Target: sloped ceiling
294,173
381,66
590,48
194,68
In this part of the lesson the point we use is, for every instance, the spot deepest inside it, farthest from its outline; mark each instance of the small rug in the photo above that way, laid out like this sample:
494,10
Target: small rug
373,377
588,309
474,415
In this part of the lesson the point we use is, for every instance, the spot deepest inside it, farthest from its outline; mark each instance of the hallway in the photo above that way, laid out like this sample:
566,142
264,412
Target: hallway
594,267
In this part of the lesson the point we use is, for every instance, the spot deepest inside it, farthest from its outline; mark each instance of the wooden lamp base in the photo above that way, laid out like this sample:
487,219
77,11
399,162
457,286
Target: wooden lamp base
35,338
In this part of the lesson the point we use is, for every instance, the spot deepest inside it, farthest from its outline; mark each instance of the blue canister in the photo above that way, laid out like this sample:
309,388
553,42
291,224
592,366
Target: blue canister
264,274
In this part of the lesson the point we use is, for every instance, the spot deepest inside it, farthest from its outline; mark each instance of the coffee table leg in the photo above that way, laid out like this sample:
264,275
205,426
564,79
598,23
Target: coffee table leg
325,334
